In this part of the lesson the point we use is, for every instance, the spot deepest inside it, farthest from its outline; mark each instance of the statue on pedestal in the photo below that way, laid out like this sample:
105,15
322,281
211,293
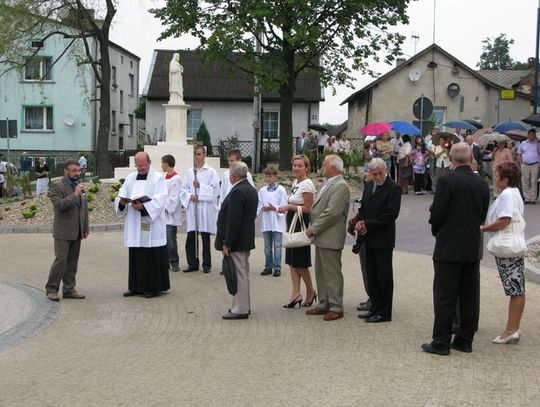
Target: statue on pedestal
176,88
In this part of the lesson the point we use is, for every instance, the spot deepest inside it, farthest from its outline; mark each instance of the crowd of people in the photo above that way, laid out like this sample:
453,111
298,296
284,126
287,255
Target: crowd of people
152,203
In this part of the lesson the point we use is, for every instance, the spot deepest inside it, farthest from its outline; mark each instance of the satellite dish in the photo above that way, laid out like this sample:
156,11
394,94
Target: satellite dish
69,120
414,74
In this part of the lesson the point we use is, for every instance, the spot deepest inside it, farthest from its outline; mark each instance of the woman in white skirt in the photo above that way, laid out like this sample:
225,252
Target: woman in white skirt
511,269
42,174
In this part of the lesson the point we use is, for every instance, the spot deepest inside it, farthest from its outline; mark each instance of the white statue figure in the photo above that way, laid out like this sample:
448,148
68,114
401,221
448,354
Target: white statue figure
176,88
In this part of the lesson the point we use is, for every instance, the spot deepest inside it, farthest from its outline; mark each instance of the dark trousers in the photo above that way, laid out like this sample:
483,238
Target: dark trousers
191,255
418,182
380,276
64,267
393,168
363,268
172,245
456,325
455,280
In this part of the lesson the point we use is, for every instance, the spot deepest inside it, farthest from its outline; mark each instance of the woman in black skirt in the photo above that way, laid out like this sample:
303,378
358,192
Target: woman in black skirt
299,259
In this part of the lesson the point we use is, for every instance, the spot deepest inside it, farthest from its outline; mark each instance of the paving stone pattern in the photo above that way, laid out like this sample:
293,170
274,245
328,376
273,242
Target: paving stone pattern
176,350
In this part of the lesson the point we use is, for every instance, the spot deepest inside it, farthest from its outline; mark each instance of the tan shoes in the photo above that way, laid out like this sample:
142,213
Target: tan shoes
53,297
74,295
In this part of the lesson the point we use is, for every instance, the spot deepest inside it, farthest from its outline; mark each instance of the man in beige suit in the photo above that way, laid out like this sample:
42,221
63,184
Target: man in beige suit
328,228
70,225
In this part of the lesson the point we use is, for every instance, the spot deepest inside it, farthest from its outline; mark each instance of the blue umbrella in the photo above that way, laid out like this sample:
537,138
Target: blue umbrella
403,127
460,124
508,125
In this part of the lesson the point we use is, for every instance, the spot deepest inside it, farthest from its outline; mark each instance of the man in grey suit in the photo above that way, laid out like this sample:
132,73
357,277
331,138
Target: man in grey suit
328,221
70,225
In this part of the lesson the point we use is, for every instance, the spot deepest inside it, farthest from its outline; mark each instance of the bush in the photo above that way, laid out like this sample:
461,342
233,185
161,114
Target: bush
116,187
29,214
32,206
91,208
204,137
90,197
113,196
93,188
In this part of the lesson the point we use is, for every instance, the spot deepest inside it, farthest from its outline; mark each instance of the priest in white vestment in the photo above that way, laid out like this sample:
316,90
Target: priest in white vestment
199,194
142,200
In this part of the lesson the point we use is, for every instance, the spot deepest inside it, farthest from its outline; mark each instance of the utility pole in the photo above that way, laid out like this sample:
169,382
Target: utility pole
257,106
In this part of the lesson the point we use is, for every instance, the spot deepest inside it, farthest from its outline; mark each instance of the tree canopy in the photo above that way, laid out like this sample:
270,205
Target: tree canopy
496,55
75,21
335,39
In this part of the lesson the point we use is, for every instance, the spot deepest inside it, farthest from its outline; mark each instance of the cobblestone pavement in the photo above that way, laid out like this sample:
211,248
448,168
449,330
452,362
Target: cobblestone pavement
176,350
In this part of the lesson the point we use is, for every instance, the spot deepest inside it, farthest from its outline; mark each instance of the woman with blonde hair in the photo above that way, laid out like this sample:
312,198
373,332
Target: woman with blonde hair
299,259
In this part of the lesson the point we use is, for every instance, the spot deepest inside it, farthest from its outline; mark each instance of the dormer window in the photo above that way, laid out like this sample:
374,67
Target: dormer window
38,68
36,44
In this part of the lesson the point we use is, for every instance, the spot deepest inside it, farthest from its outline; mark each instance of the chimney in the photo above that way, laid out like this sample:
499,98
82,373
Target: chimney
400,61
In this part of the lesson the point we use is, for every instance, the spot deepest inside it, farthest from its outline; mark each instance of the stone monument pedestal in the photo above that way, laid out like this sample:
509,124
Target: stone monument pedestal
175,144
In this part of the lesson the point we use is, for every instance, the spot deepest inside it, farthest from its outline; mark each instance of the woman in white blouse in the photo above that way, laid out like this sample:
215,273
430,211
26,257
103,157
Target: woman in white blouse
299,259
511,269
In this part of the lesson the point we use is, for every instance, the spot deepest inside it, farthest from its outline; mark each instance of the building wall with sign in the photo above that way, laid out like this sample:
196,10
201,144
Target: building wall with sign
391,97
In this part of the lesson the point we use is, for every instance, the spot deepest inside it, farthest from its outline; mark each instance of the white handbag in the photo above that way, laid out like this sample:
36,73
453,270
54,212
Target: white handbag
292,239
510,241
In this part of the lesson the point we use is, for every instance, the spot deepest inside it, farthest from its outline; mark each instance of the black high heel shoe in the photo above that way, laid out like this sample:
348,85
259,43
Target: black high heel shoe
313,299
292,304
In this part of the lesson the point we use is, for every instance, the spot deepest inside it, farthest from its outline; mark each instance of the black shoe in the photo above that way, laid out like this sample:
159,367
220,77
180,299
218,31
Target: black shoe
266,272
460,347
190,270
277,273
230,316
429,348
378,318
366,315
130,294
206,270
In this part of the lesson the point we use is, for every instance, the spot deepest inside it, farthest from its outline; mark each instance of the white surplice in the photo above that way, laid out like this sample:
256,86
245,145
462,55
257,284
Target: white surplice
208,193
173,209
226,185
144,231
272,221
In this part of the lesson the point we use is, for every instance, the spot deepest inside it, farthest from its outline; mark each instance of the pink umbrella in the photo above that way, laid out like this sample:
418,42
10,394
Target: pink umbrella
518,135
376,129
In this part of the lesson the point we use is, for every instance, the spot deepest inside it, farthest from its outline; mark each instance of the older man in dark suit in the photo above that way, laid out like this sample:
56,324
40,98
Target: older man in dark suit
235,235
459,207
70,225
381,202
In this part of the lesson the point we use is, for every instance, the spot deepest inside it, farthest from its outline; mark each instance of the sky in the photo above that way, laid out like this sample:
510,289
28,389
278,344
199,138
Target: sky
460,28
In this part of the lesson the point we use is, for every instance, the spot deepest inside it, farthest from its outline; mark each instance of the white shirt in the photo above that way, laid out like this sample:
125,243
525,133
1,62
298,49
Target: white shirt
503,206
144,231
2,170
442,161
173,209
272,221
82,162
208,192
298,189
323,139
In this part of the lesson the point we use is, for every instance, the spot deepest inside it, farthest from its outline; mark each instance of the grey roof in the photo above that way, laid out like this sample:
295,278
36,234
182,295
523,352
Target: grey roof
507,78
206,81
421,55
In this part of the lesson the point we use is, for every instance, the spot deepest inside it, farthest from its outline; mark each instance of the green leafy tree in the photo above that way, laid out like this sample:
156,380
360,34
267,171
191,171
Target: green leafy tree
73,20
140,112
332,39
496,54
204,137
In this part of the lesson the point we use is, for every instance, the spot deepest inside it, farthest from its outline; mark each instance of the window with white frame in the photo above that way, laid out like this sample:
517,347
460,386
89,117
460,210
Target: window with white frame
131,129
271,125
38,118
38,68
131,84
194,120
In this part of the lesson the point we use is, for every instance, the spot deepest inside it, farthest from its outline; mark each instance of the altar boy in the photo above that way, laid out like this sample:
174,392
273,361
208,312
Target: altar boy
273,224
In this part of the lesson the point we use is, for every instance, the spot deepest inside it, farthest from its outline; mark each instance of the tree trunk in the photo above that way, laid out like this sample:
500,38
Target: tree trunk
285,128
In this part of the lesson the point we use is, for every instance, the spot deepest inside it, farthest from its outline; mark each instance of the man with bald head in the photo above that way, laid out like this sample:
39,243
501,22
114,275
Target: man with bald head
459,208
142,201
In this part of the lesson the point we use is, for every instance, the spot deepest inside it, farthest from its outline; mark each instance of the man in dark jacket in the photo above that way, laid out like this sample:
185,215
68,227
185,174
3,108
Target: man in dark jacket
459,207
235,235
70,225
381,202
